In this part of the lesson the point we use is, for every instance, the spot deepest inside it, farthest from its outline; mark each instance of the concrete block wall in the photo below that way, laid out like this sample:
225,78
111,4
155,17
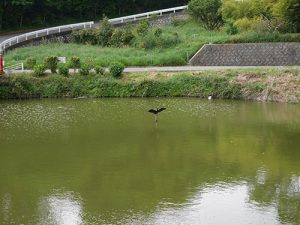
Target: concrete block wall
252,54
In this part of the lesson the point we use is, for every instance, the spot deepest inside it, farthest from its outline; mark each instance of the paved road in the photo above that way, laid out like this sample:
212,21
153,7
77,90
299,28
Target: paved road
5,37
191,68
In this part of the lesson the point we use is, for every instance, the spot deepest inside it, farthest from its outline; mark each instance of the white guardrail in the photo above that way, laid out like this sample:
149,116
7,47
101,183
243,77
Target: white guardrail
42,33
146,15
60,29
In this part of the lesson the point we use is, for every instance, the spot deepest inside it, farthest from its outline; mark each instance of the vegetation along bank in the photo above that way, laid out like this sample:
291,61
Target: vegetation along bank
281,85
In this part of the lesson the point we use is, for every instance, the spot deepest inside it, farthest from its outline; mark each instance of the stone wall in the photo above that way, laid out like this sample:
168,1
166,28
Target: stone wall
254,54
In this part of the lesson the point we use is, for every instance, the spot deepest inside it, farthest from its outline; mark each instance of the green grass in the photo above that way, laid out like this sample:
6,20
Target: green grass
191,34
255,84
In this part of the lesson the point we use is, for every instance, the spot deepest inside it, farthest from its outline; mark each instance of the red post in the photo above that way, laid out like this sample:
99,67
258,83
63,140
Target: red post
1,64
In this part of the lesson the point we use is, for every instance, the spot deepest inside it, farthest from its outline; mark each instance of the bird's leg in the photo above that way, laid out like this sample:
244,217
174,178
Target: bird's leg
156,118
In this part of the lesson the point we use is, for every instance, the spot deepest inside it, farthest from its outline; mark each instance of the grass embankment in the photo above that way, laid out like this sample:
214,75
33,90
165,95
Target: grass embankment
262,85
191,37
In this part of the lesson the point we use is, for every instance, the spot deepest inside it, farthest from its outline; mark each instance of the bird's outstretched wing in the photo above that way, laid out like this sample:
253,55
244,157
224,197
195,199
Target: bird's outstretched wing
152,111
161,109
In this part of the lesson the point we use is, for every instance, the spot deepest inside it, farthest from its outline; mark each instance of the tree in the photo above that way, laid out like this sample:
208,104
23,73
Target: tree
207,12
288,10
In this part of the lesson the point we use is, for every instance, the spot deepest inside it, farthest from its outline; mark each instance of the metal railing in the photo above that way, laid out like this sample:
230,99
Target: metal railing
146,15
42,33
19,66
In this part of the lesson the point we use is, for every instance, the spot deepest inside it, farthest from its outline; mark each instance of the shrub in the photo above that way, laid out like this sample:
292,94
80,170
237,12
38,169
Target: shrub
127,37
30,63
207,12
116,69
63,70
231,28
99,70
142,28
116,38
75,63
86,36
39,70
246,24
51,63
84,70
105,32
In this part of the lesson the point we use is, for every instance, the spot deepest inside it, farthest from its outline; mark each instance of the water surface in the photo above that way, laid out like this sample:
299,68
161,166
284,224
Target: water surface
105,161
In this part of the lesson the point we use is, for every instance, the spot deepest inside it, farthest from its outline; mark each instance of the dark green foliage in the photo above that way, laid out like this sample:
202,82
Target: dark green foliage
116,69
75,62
142,28
51,63
231,28
127,37
99,70
117,38
207,12
39,70
86,36
84,70
30,63
105,32
63,70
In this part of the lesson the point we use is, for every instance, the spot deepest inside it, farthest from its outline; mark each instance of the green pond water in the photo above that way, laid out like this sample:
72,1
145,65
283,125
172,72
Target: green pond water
105,161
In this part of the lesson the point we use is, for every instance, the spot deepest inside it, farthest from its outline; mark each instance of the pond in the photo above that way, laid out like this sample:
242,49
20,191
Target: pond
105,161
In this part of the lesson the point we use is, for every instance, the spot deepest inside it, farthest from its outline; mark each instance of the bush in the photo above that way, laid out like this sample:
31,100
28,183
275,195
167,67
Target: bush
105,32
63,70
230,28
127,37
30,63
86,36
142,28
116,69
99,70
51,63
84,70
39,70
75,63
207,12
116,38
246,24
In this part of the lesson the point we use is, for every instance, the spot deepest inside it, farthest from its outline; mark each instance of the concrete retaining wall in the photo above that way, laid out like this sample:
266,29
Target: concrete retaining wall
262,54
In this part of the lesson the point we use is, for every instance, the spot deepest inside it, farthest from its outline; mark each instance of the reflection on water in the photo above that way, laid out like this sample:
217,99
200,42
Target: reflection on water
103,161
61,208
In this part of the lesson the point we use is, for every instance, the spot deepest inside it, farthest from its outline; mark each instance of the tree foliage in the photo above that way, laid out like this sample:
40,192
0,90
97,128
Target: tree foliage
207,12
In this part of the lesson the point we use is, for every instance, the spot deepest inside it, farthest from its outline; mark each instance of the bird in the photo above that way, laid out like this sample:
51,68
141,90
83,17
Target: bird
156,112
210,97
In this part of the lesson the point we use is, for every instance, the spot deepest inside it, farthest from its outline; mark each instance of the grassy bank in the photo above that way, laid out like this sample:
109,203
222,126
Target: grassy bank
190,34
262,85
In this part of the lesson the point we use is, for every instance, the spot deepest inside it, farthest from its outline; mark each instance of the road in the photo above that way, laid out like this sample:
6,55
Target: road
193,68
5,37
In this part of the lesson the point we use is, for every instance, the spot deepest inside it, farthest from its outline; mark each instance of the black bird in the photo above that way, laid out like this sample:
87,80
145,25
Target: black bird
156,112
